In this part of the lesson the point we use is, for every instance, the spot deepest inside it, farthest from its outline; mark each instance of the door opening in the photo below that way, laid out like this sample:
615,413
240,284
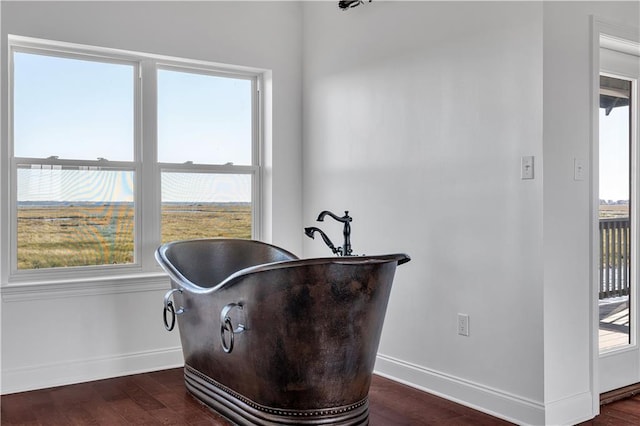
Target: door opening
614,213
618,219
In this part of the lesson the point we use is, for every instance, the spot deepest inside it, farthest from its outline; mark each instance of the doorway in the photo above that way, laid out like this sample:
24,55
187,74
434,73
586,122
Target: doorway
618,219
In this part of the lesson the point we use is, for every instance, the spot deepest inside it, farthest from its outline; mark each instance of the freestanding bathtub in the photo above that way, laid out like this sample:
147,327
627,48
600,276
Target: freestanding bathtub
272,339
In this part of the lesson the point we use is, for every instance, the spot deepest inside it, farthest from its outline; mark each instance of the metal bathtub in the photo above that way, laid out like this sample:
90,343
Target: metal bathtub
272,339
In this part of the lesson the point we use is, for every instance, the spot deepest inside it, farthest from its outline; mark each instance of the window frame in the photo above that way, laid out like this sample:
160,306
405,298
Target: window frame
254,168
145,165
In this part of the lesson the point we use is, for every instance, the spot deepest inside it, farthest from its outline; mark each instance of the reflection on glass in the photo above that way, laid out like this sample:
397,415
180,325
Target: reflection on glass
79,216
205,205
615,227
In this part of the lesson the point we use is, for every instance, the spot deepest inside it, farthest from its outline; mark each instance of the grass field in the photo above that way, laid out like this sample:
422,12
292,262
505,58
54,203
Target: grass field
613,210
99,234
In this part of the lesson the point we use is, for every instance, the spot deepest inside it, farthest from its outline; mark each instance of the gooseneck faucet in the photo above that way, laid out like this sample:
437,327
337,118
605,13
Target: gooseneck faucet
345,250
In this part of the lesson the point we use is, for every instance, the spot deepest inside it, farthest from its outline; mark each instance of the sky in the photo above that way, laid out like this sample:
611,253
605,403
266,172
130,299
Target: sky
79,109
84,110
614,154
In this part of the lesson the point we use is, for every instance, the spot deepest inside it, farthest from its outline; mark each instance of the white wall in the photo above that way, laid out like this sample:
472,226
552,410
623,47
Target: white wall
74,335
416,115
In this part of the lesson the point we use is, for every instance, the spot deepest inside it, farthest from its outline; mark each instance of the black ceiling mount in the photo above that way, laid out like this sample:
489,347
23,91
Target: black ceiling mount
348,4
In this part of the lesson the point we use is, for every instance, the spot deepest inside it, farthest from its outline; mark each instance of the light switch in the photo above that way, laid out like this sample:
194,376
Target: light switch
578,169
526,171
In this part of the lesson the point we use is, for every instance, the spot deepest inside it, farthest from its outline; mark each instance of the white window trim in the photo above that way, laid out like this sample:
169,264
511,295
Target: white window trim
147,195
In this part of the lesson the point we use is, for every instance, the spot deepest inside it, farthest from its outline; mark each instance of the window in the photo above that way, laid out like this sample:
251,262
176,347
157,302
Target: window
616,229
112,153
204,134
73,141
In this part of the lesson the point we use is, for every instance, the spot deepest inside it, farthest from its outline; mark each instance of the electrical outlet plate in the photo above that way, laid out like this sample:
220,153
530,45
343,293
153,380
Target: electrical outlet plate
463,324
578,169
526,171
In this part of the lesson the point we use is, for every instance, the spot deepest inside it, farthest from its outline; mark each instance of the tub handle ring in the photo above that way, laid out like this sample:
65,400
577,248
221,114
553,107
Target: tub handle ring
227,326
169,307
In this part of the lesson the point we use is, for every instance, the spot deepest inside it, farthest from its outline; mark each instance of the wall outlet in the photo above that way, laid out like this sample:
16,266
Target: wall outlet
463,324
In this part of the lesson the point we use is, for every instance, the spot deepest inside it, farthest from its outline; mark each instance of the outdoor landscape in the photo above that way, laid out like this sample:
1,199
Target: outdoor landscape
611,209
61,234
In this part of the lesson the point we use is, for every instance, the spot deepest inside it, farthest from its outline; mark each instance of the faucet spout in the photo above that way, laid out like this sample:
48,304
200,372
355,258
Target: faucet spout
344,219
345,250
312,229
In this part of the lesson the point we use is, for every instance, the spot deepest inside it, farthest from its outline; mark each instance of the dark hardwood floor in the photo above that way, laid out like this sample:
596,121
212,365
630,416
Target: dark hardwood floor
160,398
623,412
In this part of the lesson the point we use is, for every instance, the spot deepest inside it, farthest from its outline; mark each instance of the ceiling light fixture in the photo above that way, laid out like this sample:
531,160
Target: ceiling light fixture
349,4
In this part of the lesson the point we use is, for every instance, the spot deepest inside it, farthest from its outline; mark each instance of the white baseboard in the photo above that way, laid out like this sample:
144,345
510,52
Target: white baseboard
570,411
497,403
78,371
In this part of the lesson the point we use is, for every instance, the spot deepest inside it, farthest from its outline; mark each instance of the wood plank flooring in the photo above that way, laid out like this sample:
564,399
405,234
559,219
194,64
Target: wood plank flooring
625,412
160,398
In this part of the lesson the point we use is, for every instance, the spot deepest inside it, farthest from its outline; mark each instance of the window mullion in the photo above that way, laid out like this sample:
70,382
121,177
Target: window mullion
115,165
207,168
149,188
257,159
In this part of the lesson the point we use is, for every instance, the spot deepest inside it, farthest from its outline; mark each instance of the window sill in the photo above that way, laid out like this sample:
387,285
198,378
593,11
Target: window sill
155,281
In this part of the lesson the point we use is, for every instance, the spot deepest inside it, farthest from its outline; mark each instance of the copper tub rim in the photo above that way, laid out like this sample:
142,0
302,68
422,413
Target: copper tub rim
174,274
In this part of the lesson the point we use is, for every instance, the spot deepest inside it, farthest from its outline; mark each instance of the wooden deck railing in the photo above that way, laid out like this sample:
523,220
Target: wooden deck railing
615,246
